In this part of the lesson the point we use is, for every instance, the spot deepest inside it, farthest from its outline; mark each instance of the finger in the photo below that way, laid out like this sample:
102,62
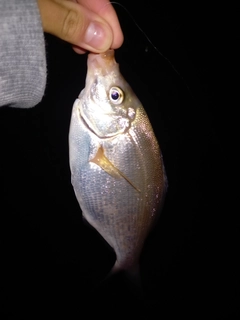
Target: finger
106,11
75,24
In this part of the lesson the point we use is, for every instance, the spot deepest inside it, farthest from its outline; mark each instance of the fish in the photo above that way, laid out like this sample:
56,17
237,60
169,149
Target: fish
117,168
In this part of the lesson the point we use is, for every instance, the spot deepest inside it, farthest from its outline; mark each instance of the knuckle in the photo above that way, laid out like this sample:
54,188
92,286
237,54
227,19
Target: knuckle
71,24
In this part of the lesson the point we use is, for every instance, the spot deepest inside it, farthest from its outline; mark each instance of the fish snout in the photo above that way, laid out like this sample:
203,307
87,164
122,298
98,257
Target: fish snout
102,61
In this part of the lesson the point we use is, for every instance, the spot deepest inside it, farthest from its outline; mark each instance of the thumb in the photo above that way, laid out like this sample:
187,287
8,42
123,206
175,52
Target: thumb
75,24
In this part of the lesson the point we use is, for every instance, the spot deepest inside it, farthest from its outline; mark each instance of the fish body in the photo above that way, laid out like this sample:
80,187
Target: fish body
117,170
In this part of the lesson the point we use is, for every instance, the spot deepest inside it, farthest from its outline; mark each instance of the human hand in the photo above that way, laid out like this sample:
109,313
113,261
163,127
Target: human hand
89,25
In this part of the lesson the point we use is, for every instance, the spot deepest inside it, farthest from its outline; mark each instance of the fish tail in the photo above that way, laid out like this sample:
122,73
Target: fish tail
132,274
116,268
129,279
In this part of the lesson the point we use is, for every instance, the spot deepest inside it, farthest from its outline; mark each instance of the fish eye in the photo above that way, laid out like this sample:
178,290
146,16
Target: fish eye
116,95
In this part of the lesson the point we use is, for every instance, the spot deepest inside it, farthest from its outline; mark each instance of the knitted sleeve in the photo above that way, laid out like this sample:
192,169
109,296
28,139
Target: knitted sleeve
22,54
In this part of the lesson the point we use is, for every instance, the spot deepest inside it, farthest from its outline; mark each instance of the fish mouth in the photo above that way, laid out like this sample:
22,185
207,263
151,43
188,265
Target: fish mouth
104,61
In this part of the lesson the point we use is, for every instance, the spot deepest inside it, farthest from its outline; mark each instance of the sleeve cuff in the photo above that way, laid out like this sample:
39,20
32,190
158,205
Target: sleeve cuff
22,54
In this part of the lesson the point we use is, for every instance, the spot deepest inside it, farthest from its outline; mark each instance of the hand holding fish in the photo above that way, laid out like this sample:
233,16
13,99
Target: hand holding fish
89,25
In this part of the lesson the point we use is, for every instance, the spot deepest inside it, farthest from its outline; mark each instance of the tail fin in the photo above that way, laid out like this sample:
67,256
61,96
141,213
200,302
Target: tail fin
119,279
132,274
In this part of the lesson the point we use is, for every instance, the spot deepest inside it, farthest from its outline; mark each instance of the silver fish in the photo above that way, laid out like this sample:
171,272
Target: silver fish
117,170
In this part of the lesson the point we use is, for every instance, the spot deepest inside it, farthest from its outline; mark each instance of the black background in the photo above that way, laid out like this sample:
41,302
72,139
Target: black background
52,263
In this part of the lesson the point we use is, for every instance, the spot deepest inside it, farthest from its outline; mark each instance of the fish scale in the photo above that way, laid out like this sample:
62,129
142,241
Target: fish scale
117,170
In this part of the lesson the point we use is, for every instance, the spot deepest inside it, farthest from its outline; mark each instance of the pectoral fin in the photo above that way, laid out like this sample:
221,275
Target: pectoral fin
107,166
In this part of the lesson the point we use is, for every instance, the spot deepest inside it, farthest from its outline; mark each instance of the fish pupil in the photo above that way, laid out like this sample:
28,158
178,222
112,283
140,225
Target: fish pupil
115,95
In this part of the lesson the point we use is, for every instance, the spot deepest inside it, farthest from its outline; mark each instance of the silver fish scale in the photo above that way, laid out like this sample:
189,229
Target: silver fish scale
121,210
99,193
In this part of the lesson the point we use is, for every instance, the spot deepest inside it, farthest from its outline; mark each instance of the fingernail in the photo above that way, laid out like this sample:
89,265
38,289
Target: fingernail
98,36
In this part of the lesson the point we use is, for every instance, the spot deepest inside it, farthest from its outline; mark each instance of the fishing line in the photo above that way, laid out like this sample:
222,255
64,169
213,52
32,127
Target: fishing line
150,42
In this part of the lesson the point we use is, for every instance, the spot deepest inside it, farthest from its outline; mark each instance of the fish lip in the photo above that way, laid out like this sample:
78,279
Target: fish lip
107,55
103,61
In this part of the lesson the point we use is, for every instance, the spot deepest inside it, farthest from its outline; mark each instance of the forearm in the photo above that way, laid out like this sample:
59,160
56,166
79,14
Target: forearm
22,54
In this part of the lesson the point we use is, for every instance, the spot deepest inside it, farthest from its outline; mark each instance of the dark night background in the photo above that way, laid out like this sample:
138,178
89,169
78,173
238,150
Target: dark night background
51,262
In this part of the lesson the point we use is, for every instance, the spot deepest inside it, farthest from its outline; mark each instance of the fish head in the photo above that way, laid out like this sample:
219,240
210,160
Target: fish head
107,103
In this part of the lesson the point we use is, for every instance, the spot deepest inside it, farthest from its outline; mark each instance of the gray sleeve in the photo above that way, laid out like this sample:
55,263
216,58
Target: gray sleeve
22,54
